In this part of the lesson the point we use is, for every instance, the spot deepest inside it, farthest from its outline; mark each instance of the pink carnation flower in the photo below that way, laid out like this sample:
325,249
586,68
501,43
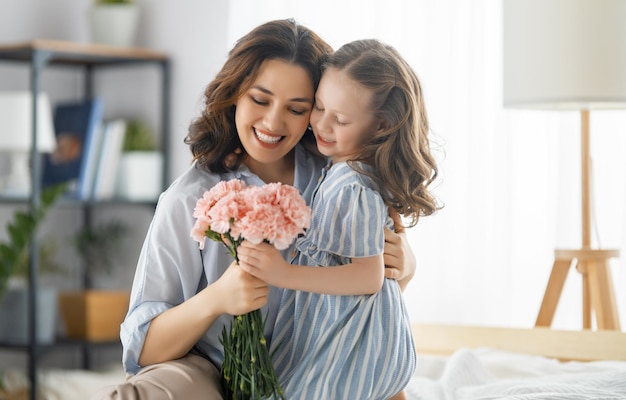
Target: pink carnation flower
229,213
213,195
260,223
274,212
198,232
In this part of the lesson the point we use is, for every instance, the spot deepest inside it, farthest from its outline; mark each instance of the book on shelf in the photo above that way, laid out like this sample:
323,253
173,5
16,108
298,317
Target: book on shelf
78,130
107,167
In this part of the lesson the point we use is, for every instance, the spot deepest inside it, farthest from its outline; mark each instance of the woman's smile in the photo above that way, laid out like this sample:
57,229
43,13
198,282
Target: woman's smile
266,137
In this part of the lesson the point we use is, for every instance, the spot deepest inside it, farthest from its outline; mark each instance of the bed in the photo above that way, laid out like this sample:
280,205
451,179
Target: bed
454,363
480,363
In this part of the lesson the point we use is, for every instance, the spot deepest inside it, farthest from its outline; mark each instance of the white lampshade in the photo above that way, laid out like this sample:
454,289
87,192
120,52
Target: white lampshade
16,124
16,118
564,54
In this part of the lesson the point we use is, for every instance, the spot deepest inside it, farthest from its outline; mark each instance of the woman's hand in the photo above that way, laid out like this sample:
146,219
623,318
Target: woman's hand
174,332
239,292
399,258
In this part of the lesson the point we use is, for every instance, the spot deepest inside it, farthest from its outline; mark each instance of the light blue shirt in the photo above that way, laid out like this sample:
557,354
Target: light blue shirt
171,269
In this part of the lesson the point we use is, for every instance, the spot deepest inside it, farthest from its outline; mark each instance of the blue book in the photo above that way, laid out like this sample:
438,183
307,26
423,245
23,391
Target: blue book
77,127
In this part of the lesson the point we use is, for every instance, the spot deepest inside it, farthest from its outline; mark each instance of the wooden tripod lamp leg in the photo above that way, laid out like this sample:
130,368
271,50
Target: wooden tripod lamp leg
553,291
602,295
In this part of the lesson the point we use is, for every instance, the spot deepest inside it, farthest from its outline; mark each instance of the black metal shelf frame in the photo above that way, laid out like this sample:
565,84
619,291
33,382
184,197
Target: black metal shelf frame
39,55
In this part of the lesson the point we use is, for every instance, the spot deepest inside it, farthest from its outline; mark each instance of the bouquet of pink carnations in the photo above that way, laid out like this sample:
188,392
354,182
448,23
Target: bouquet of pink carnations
229,213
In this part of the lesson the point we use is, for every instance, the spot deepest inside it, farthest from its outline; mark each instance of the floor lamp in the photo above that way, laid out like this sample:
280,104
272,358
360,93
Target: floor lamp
570,55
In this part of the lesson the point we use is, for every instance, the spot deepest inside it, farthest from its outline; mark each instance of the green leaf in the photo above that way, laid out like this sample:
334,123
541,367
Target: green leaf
20,234
99,245
138,137
21,230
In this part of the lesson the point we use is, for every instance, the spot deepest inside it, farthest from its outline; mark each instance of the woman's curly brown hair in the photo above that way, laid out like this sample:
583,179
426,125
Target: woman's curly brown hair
213,137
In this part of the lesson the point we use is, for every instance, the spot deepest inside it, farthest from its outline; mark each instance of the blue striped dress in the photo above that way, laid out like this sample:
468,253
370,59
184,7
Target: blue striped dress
343,347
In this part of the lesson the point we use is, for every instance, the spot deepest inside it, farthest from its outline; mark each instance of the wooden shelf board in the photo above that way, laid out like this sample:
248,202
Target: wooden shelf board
64,52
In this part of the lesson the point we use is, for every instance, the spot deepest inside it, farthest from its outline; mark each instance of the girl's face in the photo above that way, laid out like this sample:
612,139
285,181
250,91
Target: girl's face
272,116
342,117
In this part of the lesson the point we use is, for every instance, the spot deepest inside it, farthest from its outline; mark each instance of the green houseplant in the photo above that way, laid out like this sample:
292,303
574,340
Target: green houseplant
14,261
138,137
47,250
141,164
98,245
14,251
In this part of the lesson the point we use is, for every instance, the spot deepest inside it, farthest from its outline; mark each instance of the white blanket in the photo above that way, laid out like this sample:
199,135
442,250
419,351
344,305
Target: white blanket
487,374
483,374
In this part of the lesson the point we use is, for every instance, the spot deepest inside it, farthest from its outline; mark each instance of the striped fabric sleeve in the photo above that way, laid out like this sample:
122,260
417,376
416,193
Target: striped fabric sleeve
354,222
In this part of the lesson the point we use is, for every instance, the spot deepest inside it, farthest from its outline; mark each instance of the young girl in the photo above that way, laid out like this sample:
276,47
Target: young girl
252,127
343,332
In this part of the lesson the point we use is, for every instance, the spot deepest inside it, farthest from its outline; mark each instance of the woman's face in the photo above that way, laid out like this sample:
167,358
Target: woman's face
272,116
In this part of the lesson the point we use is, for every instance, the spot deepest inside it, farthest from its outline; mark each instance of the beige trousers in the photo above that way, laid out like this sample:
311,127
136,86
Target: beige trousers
189,378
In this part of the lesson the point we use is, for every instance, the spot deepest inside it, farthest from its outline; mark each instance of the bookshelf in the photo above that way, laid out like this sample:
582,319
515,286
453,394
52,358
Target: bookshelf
37,55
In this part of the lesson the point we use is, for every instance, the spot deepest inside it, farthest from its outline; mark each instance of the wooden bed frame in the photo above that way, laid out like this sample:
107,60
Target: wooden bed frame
584,345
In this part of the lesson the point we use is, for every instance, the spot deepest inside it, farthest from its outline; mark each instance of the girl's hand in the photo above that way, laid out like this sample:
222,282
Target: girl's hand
239,292
263,261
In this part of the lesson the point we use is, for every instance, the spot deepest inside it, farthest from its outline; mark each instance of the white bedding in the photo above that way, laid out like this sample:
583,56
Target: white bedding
482,374
60,384
487,374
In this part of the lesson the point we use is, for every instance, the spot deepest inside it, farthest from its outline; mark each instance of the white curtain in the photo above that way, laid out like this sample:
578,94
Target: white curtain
509,179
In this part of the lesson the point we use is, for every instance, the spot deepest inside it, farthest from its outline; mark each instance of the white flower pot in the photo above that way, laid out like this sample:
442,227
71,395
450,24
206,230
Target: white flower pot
114,24
139,175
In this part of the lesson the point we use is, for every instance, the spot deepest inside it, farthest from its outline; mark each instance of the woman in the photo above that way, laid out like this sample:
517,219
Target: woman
254,128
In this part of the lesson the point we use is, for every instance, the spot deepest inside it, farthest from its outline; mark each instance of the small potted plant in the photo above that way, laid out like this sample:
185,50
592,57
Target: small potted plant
14,267
99,245
95,314
114,22
141,165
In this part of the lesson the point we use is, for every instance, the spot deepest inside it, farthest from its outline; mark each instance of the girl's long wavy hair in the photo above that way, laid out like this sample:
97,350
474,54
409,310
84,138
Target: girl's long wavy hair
400,152
212,137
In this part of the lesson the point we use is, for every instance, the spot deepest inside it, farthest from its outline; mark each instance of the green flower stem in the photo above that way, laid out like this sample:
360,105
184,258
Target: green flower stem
247,370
